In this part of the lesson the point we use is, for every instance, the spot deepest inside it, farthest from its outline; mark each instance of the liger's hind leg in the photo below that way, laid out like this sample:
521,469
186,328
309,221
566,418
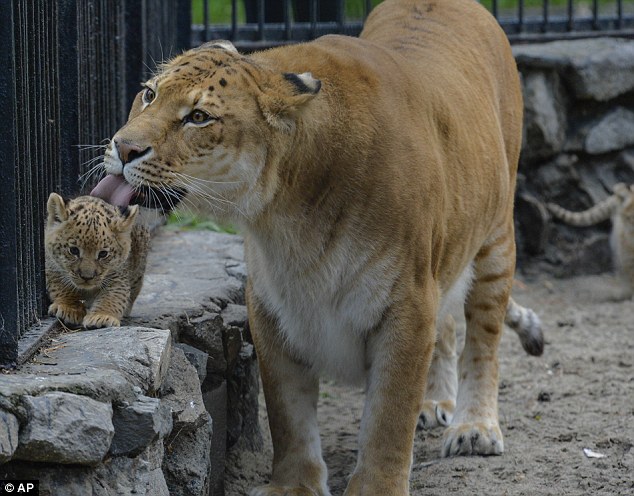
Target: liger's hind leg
474,429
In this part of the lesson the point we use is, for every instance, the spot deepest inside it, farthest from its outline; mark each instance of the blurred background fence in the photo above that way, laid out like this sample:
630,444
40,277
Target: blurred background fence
70,69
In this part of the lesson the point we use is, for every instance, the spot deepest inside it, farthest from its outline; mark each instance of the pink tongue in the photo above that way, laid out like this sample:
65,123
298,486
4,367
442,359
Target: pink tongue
115,190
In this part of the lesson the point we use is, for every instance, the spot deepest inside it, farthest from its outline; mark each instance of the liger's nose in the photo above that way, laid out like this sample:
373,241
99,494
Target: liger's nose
129,151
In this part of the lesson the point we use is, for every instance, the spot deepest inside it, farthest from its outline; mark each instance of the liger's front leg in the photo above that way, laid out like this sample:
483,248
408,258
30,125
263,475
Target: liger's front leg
291,391
400,351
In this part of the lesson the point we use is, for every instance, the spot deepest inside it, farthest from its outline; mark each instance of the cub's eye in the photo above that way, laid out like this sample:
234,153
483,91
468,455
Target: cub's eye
73,250
102,254
198,117
149,95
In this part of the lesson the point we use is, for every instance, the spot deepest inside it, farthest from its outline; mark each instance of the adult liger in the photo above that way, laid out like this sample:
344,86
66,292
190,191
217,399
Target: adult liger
373,180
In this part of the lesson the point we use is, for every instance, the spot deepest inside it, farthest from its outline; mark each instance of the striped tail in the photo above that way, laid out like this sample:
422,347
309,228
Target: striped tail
600,212
527,325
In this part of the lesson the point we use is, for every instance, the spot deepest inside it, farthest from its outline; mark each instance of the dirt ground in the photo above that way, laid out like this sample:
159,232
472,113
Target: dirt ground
579,394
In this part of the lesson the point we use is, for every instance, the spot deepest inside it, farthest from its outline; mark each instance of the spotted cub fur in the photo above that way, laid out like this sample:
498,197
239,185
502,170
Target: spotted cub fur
95,260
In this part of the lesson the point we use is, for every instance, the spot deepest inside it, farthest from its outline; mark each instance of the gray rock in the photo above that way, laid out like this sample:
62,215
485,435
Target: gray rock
101,385
206,333
595,68
615,131
187,461
133,476
234,315
197,358
242,396
138,354
215,402
181,392
65,428
119,476
138,425
9,428
544,115
532,217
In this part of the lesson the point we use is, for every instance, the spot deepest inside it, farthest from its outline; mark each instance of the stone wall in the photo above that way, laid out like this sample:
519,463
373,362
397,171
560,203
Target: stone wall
148,408
578,142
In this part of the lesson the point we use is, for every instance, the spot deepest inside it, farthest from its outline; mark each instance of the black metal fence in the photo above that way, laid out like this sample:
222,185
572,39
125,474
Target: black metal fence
68,72
255,24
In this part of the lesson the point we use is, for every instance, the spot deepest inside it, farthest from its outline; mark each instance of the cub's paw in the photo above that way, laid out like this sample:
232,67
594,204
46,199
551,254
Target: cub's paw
478,438
271,490
435,413
96,320
68,314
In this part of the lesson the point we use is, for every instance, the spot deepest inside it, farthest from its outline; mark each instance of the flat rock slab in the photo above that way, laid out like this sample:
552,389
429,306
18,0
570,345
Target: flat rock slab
585,64
140,355
188,271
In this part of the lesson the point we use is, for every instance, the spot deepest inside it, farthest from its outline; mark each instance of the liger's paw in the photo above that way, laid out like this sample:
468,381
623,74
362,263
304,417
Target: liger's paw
95,320
272,490
435,413
68,314
477,438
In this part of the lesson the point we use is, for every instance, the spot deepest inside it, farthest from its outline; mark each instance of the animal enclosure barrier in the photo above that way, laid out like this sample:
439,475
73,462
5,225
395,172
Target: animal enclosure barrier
254,24
69,71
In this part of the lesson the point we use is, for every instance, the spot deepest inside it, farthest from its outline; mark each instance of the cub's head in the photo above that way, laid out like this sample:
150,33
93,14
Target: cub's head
86,239
209,129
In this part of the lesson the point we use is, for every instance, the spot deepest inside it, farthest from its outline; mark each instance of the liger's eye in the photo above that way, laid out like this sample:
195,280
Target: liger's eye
149,95
73,250
198,117
102,254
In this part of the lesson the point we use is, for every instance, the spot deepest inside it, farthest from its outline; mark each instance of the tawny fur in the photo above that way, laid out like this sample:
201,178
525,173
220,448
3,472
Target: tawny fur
373,180
95,260
619,207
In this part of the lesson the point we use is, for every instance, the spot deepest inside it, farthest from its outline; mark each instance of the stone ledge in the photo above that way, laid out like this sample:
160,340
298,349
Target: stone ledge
121,410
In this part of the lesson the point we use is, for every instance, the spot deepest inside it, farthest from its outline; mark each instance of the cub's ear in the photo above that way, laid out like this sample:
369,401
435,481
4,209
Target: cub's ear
288,96
128,216
56,209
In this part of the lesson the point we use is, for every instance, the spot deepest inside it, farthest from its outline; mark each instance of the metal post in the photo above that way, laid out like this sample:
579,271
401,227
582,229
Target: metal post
8,220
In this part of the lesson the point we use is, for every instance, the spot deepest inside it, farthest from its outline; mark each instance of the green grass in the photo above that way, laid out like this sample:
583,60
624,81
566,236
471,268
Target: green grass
194,223
220,10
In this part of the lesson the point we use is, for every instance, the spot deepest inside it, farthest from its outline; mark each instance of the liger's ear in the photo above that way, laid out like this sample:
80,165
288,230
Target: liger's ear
56,209
288,96
129,215
223,44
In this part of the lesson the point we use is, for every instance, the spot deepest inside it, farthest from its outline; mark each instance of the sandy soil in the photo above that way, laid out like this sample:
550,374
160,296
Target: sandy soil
579,394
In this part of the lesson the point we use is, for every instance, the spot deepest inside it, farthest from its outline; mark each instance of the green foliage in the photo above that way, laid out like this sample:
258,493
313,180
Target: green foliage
220,10
193,223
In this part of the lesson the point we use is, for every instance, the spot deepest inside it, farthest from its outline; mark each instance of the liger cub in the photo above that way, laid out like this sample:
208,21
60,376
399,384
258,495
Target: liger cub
95,256
619,207
373,179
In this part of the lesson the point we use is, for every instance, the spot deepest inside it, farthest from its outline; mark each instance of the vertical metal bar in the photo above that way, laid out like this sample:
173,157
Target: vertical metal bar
287,19
619,14
8,169
367,9
69,105
520,16
545,16
234,19
340,15
133,49
595,14
495,9
260,19
313,18
571,16
206,19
